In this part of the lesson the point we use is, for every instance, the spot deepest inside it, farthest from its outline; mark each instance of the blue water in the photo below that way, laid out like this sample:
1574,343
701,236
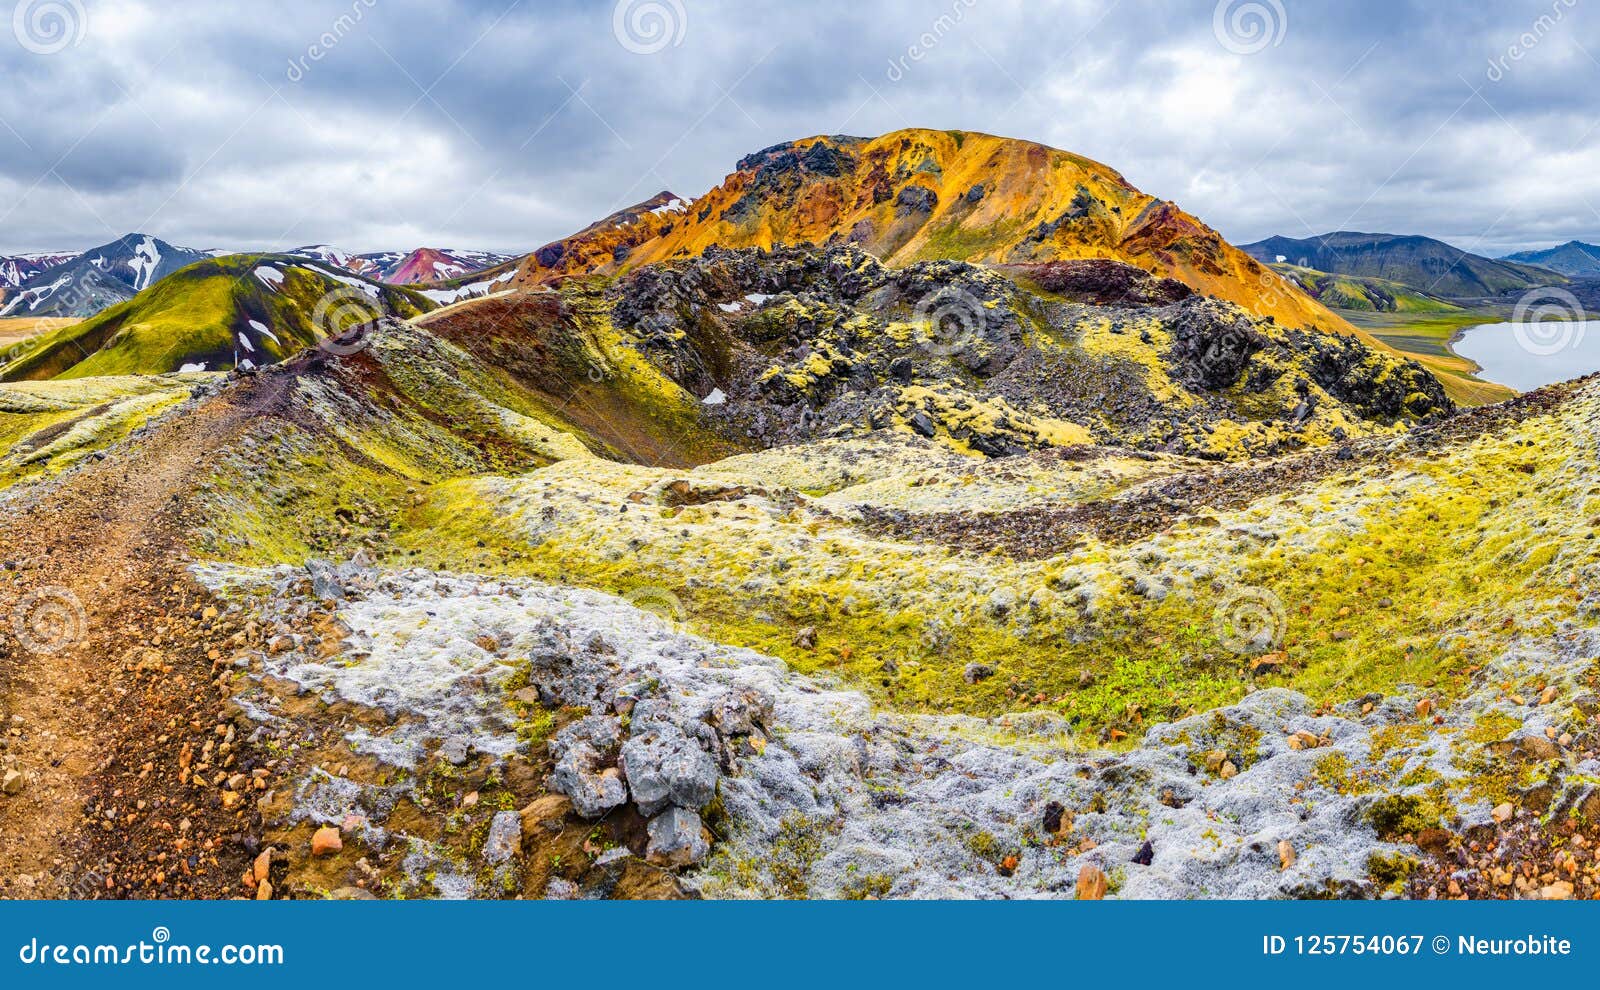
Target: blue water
1527,356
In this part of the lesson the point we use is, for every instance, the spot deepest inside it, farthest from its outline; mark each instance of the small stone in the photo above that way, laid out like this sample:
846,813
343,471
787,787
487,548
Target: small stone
1214,760
264,890
12,783
263,865
560,889
1228,770
1565,740
1286,854
1424,707
976,672
1502,812
1548,695
806,638
1561,890
547,814
1269,663
505,837
1091,883
326,841
1146,854
1303,740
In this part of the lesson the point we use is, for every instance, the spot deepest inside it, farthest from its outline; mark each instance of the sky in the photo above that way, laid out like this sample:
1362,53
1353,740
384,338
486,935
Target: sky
502,125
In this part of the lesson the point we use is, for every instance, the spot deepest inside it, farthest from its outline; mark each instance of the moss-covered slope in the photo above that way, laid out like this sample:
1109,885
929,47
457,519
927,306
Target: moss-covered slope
213,315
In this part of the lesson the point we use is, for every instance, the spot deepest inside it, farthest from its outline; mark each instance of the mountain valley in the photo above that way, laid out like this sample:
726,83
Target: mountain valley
928,515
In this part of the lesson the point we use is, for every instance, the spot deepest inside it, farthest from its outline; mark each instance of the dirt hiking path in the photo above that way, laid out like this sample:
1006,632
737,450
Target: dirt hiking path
113,719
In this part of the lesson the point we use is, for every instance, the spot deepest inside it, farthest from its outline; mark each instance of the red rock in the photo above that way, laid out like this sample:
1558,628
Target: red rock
326,841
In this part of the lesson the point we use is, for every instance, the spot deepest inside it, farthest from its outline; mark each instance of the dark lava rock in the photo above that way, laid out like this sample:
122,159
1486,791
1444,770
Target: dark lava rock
915,199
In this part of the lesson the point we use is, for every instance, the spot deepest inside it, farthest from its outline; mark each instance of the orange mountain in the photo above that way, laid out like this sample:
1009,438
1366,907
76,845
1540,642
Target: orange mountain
916,195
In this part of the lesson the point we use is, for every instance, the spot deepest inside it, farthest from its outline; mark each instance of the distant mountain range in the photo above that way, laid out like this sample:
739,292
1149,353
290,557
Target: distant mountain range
17,269
104,276
417,267
77,286
1429,266
1574,258
240,310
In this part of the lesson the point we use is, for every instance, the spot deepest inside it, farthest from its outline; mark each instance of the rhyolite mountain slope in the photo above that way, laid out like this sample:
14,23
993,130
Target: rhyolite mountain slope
237,310
921,195
1574,258
1429,266
99,277
423,265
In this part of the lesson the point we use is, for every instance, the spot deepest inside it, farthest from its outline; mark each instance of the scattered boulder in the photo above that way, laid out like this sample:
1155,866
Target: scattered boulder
12,783
677,838
663,766
581,771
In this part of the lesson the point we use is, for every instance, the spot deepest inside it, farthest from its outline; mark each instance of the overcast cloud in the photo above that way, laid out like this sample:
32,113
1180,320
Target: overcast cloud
502,125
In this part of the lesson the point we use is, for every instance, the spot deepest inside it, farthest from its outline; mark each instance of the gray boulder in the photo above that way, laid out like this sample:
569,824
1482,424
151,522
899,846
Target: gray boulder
664,766
582,772
676,838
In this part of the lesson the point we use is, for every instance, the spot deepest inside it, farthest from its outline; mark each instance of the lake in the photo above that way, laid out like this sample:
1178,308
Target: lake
1526,356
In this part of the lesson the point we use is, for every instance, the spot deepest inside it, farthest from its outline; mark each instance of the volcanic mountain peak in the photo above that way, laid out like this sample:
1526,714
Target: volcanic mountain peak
916,195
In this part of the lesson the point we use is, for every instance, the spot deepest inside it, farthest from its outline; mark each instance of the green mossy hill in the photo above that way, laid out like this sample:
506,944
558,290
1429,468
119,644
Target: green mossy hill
212,315
1365,295
793,345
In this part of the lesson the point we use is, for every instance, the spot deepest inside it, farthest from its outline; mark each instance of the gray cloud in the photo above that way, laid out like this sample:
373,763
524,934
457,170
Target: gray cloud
393,123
